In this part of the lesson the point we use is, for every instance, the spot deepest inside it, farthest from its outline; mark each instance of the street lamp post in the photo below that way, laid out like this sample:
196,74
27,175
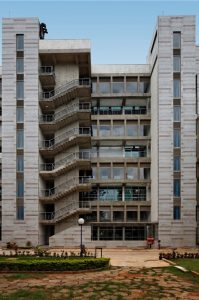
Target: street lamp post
81,222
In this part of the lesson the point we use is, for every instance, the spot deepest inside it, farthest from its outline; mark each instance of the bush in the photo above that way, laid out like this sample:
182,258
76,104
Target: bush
53,264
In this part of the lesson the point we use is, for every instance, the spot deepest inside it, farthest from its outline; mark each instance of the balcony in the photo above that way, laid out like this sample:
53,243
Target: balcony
70,114
65,212
81,135
65,93
65,188
47,76
72,160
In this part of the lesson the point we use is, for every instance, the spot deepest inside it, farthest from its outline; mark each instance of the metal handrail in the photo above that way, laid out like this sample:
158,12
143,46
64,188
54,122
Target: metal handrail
71,207
50,144
49,118
65,87
65,161
70,183
123,110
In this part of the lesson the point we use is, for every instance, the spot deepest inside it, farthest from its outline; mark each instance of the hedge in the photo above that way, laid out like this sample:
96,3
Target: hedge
39,264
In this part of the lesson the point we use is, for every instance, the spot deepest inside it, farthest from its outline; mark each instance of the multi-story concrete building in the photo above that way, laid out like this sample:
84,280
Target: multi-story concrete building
114,144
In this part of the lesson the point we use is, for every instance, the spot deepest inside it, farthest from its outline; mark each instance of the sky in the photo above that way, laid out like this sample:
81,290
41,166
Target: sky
120,31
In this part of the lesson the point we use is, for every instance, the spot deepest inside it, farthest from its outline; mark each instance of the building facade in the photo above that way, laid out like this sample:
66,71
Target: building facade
114,144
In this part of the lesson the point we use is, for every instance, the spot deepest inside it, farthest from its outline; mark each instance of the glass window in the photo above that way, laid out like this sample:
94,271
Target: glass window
118,172
105,172
94,236
118,129
135,233
132,130
105,129
135,193
144,86
131,215
118,87
176,212
20,89
144,130
20,65
94,172
20,187
176,88
105,216
20,114
118,216
176,187
20,138
177,138
131,86
144,173
94,129
94,87
176,63
104,87
107,194
176,40
118,233
20,163
145,216
176,163
106,233
19,42
176,113
110,152
132,173
20,212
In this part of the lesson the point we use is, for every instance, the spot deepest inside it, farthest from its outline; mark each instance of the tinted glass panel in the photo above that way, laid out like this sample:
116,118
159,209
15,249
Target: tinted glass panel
20,42
176,187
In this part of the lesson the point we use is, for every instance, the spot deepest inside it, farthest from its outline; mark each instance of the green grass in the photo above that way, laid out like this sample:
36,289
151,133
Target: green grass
189,264
24,295
188,276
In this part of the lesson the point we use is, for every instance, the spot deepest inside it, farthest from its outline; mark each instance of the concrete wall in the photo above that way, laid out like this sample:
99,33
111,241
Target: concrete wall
177,232
26,229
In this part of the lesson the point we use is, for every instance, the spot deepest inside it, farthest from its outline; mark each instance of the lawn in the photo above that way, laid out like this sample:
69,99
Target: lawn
189,264
112,284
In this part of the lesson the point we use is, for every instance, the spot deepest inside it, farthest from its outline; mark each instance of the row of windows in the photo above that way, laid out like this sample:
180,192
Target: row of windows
130,151
105,86
129,172
19,132
105,129
119,233
128,193
177,118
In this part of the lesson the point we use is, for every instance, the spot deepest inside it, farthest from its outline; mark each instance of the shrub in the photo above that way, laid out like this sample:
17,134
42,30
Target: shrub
53,264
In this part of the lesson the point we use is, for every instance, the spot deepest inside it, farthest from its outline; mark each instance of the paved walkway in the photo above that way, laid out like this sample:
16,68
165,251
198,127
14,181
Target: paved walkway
134,258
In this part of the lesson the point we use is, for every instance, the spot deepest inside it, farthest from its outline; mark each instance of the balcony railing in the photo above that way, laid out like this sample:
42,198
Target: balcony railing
64,88
82,155
120,111
65,186
140,197
65,211
66,136
64,113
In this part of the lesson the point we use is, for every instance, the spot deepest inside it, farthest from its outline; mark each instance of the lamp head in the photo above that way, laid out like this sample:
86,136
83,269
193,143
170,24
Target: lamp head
80,221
